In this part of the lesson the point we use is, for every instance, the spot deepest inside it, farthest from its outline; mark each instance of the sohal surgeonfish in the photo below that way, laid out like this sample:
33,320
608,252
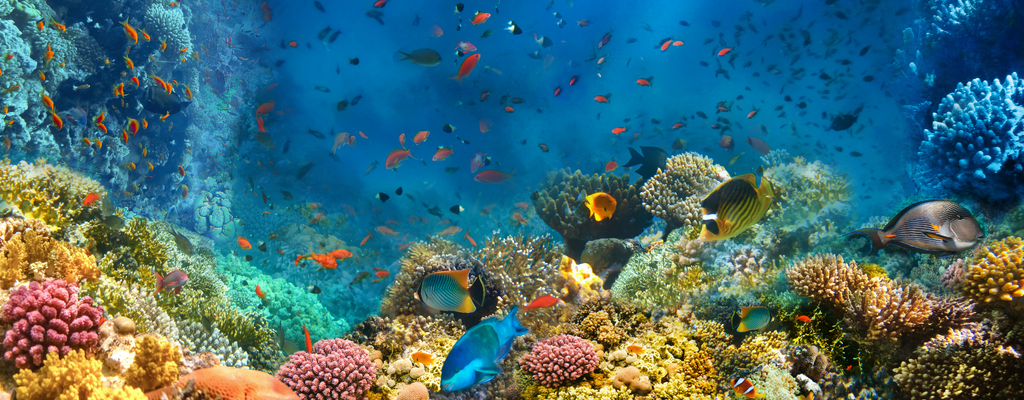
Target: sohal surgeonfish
735,205
475,356
938,227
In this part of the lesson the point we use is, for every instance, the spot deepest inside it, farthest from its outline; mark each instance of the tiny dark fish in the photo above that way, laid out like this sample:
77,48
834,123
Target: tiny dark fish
323,33
342,105
301,173
377,15
263,247
456,209
287,144
383,197
314,289
716,24
354,61
398,191
362,275
323,89
319,6
278,63
334,36
869,78
840,15
286,195
704,64
451,170
865,50
803,104
839,149
631,40
355,100
448,128
684,23
248,258
855,153
317,134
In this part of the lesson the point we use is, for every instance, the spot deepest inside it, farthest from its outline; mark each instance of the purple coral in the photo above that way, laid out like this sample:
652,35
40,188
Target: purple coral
49,317
337,369
559,359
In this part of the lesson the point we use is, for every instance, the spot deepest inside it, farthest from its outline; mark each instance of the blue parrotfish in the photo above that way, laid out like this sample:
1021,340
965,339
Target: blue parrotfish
474,358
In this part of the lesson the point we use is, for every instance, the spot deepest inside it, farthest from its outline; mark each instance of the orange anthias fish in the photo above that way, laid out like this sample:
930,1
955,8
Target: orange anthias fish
422,358
442,153
480,17
325,260
129,63
90,199
244,243
59,123
133,125
603,99
260,292
420,137
543,301
611,166
451,230
492,176
48,101
436,31
48,56
467,66
369,236
340,254
129,31
309,342
803,318
384,230
752,113
724,51
618,130
471,241
395,158
265,108
645,81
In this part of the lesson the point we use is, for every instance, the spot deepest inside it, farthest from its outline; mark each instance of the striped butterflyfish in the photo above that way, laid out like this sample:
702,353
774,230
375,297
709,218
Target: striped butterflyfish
451,291
735,205
754,319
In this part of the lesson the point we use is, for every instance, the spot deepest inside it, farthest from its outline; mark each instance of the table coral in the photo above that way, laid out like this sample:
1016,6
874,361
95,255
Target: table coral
75,376
974,145
997,273
48,317
156,364
675,193
560,203
337,368
558,360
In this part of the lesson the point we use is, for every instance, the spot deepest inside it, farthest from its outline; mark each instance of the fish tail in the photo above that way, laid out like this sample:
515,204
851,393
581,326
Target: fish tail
400,56
477,291
457,78
159,283
873,234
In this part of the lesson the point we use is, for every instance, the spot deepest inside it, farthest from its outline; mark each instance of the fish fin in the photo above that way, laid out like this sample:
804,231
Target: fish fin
467,306
873,234
742,327
937,236
159,282
895,219
492,369
635,158
400,56
477,292
746,310
461,277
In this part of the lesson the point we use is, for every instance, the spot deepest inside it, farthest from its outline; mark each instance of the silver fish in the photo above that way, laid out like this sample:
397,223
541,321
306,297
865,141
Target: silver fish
939,227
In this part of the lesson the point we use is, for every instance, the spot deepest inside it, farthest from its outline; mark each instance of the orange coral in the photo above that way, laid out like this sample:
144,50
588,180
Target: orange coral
229,383
34,255
997,272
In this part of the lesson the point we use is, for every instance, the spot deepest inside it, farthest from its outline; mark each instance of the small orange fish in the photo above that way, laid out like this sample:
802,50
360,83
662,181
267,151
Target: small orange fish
422,358
369,236
145,124
129,31
181,170
724,51
603,99
260,292
163,45
382,274
618,130
42,76
309,342
293,43
124,135
644,82
40,25
340,254
265,108
59,123
436,31
543,301
130,166
677,43
803,318
664,46
420,137
471,241
90,198
60,27
244,243
184,192
611,166
47,101
752,113
635,349
509,109
163,117
188,92
480,17
129,63
145,35
133,125
325,260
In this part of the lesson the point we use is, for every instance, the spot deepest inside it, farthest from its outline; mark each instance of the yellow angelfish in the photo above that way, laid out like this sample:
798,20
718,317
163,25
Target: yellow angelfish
601,205
735,205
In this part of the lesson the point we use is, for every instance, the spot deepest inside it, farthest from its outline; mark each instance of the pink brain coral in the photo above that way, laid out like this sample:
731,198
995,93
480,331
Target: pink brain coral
337,369
48,317
559,359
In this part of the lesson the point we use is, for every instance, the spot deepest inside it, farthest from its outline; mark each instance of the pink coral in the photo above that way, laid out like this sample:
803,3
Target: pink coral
337,369
49,317
559,359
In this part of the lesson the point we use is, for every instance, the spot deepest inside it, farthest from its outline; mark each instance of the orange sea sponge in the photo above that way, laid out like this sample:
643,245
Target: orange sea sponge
229,383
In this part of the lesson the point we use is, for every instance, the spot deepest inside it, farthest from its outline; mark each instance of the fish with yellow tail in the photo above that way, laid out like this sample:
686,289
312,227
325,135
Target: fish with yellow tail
938,227
754,318
736,205
601,205
451,291
744,387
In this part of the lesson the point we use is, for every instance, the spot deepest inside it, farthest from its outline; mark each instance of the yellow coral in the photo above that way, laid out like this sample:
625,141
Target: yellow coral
997,272
31,255
45,192
74,377
580,281
156,364
873,270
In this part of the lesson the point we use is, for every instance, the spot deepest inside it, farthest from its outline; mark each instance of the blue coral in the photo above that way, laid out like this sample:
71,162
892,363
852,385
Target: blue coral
975,143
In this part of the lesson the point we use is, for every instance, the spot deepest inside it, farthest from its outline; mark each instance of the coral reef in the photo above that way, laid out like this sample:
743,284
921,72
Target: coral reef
169,23
674,194
663,276
198,339
52,194
75,376
997,273
812,201
337,368
48,317
558,360
974,144
155,365
31,255
560,203
228,383
133,302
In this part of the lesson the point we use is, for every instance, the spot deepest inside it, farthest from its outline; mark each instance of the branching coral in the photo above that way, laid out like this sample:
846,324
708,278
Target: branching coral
74,376
560,203
35,256
607,322
528,267
674,194
156,364
812,199
134,302
52,194
997,273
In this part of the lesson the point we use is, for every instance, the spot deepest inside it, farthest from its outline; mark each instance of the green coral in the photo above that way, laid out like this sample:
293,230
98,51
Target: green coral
656,279
52,194
155,365
73,377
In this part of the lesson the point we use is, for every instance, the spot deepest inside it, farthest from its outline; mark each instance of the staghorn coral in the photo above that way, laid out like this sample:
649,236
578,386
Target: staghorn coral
557,360
35,256
997,273
560,203
674,194
48,317
74,376
199,340
155,365
52,194
337,368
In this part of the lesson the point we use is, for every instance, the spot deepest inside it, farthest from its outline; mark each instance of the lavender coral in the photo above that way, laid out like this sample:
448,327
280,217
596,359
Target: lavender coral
336,369
48,317
560,359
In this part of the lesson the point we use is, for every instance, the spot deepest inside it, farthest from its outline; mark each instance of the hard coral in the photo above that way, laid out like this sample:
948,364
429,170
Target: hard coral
156,364
674,194
52,194
975,143
560,204
31,255
74,376
997,273
337,368
48,317
560,359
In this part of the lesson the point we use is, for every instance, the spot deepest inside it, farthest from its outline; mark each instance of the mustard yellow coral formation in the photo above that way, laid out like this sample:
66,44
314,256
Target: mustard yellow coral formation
52,194
74,377
156,364
32,254
674,194
961,370
997,272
